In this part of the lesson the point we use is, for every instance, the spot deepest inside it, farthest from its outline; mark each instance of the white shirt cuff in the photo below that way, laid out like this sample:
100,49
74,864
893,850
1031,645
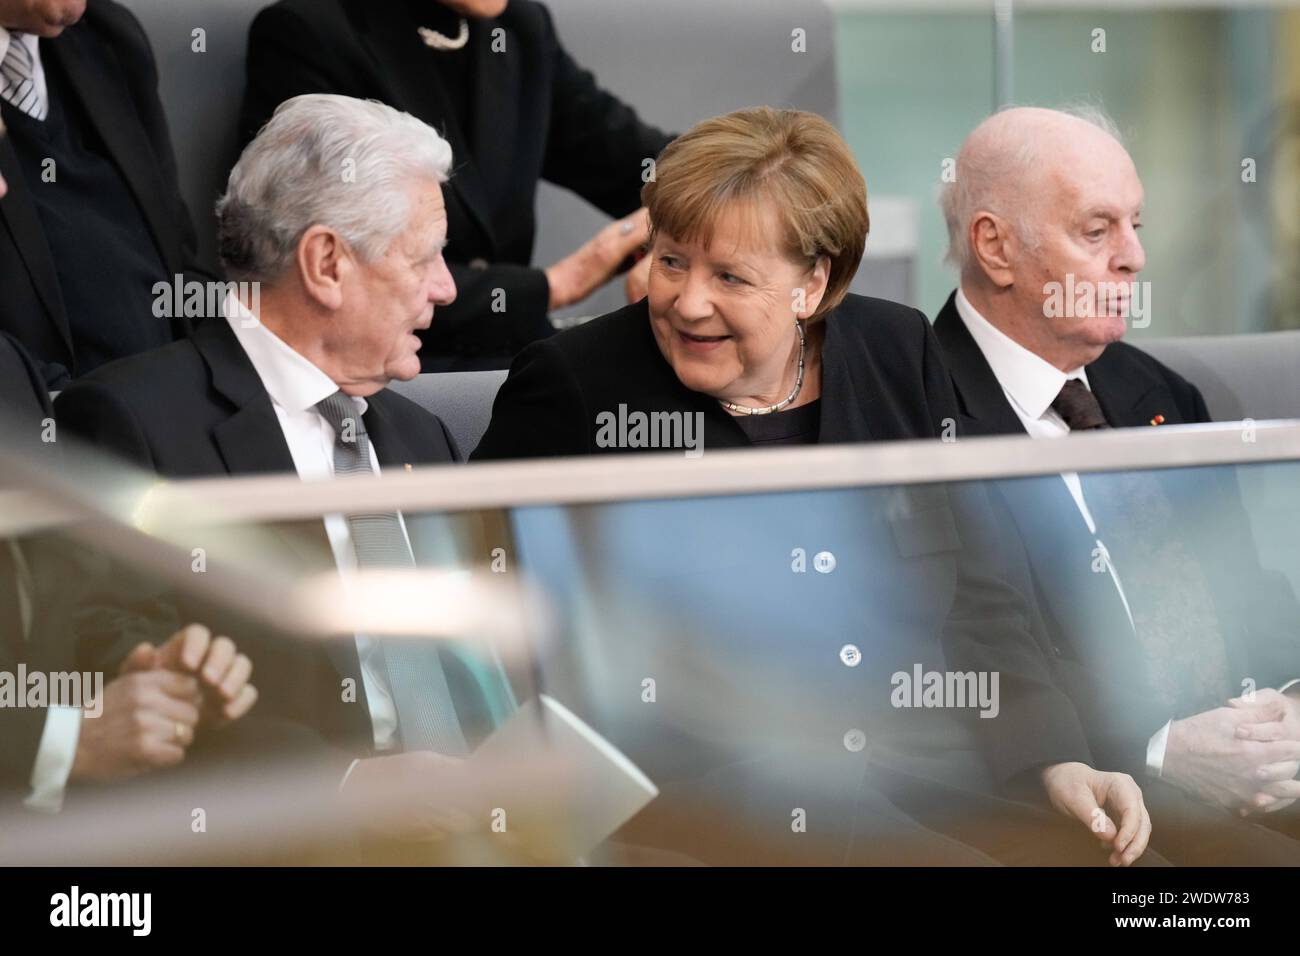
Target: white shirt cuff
1156,747
54,759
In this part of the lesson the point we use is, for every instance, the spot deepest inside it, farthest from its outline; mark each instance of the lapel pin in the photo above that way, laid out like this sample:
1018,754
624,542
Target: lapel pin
1158,420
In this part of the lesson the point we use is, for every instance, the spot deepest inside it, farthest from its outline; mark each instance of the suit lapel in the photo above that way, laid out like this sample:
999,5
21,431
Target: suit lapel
496,108
18,211
110,111
1130,396
844,404
250,441
390,445
415,86
20,216
984,404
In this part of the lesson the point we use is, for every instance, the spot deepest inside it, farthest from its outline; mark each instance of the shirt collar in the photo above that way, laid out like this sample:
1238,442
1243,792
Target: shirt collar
1028,379
293,382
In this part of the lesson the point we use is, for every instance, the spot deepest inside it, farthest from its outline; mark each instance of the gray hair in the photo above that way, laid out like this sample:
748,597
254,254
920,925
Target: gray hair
992,180
325,160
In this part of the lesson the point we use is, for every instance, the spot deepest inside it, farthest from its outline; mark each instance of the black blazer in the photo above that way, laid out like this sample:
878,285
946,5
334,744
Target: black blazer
536,115
25,406
197,408
110,65
882,380
1093,655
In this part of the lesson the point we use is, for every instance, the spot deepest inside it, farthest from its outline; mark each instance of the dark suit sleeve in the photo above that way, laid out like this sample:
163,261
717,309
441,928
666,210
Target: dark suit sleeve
539,411
20,736
96,416
483,321
597,144
995,628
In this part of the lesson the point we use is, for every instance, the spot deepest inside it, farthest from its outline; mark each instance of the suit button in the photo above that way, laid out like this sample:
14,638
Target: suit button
479,264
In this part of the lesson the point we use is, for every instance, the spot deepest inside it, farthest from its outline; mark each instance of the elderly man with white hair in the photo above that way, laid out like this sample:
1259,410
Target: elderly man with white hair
1043,219
334,226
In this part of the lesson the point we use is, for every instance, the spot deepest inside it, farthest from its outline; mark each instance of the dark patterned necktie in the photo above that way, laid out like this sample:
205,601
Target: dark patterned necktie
1166,586
426,713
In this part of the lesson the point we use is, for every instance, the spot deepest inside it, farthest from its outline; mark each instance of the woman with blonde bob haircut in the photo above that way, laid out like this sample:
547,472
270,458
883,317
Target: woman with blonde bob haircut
759,221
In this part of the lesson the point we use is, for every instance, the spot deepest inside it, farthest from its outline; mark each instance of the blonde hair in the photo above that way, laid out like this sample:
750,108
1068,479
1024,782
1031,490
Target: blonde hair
797,161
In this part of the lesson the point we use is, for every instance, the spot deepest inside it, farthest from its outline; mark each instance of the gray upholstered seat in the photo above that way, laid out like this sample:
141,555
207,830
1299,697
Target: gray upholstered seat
1241,376
463,400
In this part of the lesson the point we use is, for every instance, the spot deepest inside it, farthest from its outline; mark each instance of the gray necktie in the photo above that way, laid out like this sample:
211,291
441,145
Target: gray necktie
17,80
426,713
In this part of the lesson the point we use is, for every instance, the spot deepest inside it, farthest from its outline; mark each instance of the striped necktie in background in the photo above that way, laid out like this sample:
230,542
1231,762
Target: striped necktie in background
18,80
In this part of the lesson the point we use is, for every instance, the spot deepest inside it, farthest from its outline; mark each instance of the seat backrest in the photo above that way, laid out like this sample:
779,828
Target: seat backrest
1241,376
463,400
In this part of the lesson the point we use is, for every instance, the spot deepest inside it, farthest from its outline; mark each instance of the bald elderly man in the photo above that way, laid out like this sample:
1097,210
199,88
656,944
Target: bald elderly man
1155,652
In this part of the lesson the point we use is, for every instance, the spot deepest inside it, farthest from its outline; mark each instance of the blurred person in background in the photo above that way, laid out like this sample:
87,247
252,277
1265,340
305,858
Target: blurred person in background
150,712
94,213
493,76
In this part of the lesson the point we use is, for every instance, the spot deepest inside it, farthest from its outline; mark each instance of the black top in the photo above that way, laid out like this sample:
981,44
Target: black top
882,380
455,68
793,426
513,116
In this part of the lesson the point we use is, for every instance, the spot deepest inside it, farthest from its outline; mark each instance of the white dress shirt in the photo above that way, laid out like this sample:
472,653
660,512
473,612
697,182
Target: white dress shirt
295,386
1031,384
33,45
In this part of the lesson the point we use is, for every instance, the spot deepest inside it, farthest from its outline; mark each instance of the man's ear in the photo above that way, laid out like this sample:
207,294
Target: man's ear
814,289
990,243
323,262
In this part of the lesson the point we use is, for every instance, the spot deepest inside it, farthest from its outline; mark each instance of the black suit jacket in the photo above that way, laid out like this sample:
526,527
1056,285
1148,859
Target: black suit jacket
24,405
537,115
197,408
108,60
882,380
1093,653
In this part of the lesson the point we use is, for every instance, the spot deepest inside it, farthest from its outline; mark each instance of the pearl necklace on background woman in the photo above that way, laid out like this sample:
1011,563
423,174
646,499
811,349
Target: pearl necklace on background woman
439,41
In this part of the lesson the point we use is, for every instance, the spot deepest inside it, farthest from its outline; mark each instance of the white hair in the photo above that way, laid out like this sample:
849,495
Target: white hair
327,160
994,179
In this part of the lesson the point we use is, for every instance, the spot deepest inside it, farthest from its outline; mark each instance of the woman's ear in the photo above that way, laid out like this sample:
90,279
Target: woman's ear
809,296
